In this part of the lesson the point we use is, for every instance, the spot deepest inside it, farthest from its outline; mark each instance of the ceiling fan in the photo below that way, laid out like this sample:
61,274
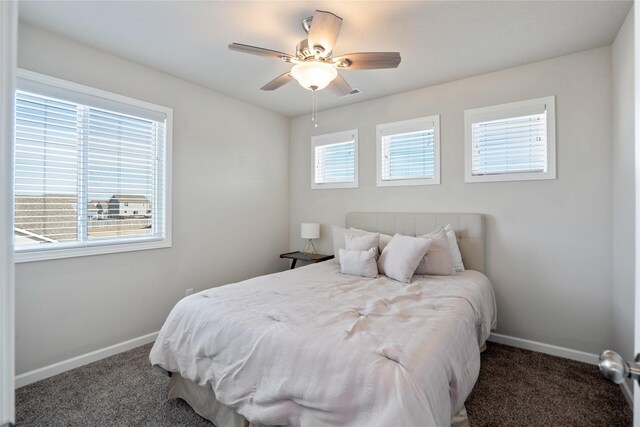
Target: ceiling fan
315,66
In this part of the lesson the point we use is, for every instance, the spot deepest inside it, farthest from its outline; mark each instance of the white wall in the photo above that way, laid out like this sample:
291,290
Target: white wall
230,212
623,253
548,242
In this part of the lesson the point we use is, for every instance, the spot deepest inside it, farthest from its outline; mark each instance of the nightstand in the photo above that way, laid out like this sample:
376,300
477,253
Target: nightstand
297,255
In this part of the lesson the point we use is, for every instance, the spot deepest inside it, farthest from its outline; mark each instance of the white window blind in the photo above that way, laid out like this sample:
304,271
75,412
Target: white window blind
334,160
335,163
86,176
511,142
408,152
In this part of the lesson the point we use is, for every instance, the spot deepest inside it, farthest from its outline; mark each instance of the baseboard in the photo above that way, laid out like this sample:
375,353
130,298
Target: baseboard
553,350
76,362
628,394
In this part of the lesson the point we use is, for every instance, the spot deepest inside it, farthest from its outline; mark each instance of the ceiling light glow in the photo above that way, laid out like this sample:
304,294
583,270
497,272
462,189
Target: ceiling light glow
314,75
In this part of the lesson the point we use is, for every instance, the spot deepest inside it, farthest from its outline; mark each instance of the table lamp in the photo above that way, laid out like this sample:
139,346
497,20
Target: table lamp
310,231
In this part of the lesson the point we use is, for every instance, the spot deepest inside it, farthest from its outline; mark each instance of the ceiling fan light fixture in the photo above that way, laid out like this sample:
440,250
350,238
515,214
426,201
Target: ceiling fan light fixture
314,75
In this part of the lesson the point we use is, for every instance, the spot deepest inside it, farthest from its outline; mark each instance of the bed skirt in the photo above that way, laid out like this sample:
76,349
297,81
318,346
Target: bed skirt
204,403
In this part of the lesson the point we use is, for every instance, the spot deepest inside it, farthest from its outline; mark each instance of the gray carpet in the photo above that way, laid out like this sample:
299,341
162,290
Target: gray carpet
524,388
516,388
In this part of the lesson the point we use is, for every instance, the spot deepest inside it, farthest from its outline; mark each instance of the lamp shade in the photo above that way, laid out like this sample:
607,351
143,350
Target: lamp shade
309,230
314,74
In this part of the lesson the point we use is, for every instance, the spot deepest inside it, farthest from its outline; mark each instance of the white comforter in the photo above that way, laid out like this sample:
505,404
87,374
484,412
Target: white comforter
312,346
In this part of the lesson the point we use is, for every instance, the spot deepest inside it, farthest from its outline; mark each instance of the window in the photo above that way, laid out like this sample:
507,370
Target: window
408,152
511,142
334,160
81,155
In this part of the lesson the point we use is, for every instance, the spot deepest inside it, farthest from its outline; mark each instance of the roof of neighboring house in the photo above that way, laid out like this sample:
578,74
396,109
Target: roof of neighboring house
131,198
52,216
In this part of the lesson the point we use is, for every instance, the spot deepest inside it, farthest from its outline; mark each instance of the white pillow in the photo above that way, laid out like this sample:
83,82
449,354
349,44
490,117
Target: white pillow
437,261
401,256
456,256
339,235
384,239
359,263
362,243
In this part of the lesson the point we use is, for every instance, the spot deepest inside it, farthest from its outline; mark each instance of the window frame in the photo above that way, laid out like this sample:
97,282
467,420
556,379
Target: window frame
507,109
408,126
88,248
334,138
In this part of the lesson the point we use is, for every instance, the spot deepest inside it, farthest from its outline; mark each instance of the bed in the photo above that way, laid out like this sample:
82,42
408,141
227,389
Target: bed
312,346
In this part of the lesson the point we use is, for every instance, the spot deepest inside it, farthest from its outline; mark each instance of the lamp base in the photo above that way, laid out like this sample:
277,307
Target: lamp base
310,249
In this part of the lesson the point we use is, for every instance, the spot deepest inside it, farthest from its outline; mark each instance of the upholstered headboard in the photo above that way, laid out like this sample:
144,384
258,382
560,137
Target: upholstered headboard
469,229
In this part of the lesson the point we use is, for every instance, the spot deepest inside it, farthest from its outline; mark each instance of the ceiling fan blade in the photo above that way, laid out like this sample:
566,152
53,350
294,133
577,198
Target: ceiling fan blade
339,86
324,31
253,50
278,81
368,60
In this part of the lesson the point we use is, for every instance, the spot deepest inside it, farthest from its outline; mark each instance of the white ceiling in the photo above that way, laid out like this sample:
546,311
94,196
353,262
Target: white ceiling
439,40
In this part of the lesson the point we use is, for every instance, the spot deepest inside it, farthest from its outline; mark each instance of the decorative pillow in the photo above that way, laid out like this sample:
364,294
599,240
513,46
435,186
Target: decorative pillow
456,256
362,243
384,239
339,235
437,261
401,256
359,263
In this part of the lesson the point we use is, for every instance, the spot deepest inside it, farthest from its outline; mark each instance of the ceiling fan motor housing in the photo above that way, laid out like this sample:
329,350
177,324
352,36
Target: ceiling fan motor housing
303,51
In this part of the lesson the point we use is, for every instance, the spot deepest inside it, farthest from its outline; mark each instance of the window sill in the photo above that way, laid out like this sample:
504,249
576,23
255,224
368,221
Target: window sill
334,185
407,182
504,177
89,250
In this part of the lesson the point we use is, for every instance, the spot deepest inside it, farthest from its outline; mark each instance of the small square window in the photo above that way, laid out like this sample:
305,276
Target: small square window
511,142
408,152
334,160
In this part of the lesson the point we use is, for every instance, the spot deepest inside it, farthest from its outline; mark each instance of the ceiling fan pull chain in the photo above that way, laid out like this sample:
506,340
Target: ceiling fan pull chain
314,107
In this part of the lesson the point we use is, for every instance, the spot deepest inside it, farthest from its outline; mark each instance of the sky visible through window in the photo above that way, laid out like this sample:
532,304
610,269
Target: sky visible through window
335,163
48,142
511,145
409,155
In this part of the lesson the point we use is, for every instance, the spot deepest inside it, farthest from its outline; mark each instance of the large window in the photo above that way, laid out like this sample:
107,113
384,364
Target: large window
91,171
511,142
334,160
408,152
